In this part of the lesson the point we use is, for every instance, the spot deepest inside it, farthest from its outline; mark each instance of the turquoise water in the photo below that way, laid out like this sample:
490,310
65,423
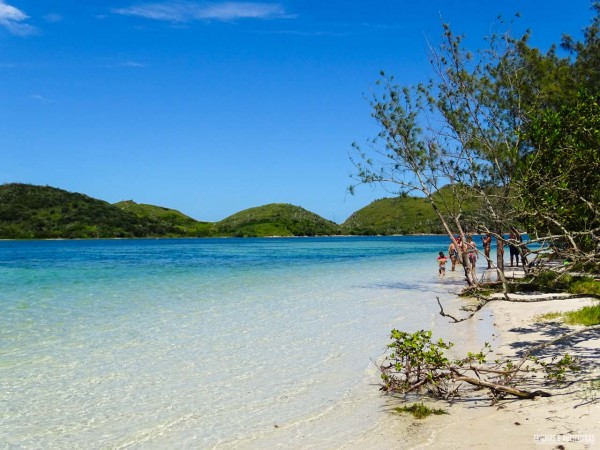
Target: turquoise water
204,343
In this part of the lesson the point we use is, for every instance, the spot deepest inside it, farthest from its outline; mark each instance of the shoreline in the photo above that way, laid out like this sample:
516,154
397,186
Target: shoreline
572,413
223,237
570,417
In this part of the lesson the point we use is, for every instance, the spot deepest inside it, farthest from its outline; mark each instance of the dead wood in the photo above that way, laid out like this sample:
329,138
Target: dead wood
501,388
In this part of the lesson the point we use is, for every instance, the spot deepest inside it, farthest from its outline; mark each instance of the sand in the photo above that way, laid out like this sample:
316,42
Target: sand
569,419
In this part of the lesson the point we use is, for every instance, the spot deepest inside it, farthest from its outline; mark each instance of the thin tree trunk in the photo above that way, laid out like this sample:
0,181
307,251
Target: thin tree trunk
500,253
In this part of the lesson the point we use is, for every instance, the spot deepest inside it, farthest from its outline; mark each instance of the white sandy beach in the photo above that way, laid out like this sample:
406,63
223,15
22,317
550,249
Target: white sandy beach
569,418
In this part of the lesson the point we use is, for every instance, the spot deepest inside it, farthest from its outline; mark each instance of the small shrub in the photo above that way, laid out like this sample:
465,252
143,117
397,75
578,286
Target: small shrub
591,392
420,411
558,370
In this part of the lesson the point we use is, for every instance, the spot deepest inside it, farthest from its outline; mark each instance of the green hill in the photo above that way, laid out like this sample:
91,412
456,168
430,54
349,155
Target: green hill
275,219
401,215
41,212
167,217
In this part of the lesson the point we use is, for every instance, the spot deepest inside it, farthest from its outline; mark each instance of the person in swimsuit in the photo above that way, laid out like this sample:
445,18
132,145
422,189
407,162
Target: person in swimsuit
453,253
472,251
514,250
441,259
487,245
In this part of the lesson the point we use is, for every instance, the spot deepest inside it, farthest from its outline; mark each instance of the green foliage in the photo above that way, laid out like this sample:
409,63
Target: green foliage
420,411
584,70
418,364
557,370
583,285
400,215
548,316
559,180
275,219
591,391
41,212
588,316
549,281
504,124
185,225
413,352
415,361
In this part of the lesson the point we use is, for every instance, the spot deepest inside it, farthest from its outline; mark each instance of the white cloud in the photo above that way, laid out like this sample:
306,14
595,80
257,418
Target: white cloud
40,98
13,20
133,64
53,18
182,11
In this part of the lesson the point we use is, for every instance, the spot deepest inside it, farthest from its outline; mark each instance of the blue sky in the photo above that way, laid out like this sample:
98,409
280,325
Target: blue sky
214,107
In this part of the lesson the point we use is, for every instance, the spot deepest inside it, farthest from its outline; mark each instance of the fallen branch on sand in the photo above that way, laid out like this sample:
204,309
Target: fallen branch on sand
494,387
418,365
482,301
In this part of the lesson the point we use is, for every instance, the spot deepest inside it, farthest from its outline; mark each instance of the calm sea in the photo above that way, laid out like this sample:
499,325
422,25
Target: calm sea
204,343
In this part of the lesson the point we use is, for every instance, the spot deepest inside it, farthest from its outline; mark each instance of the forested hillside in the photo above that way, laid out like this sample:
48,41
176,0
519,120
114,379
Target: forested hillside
43,212
168,217
275,219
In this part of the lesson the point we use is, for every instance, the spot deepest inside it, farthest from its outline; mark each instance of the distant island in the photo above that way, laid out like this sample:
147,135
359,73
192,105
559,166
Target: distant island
43,212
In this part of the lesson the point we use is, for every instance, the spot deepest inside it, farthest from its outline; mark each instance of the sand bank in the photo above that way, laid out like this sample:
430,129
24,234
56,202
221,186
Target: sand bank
569,418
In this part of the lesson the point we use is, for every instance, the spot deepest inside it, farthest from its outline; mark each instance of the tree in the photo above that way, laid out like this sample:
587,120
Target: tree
460,131
560,180
488,126
587,54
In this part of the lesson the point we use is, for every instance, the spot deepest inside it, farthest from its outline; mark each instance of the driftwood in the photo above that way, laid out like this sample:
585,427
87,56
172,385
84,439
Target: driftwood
540,298
482,301
502,388
477,308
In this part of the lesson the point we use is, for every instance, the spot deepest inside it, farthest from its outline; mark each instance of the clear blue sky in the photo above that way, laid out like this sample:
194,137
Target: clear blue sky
214,107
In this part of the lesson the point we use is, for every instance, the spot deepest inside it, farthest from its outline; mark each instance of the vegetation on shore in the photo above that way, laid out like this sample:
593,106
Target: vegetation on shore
418,364
420,411
587,316
550,281
505,126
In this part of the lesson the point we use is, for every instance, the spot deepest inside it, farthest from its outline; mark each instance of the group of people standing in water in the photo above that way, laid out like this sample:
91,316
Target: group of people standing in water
470,248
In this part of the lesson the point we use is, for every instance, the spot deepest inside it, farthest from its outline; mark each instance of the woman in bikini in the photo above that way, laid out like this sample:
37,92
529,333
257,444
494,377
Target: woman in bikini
453,253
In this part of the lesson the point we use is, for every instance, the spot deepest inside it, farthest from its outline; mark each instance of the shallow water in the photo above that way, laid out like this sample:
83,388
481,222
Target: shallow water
206,343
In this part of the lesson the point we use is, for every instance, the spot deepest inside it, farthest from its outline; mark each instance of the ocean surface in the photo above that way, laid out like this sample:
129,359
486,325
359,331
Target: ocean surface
206,343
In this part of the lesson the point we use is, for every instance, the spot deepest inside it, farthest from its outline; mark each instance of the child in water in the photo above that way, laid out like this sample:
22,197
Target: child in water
441,259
